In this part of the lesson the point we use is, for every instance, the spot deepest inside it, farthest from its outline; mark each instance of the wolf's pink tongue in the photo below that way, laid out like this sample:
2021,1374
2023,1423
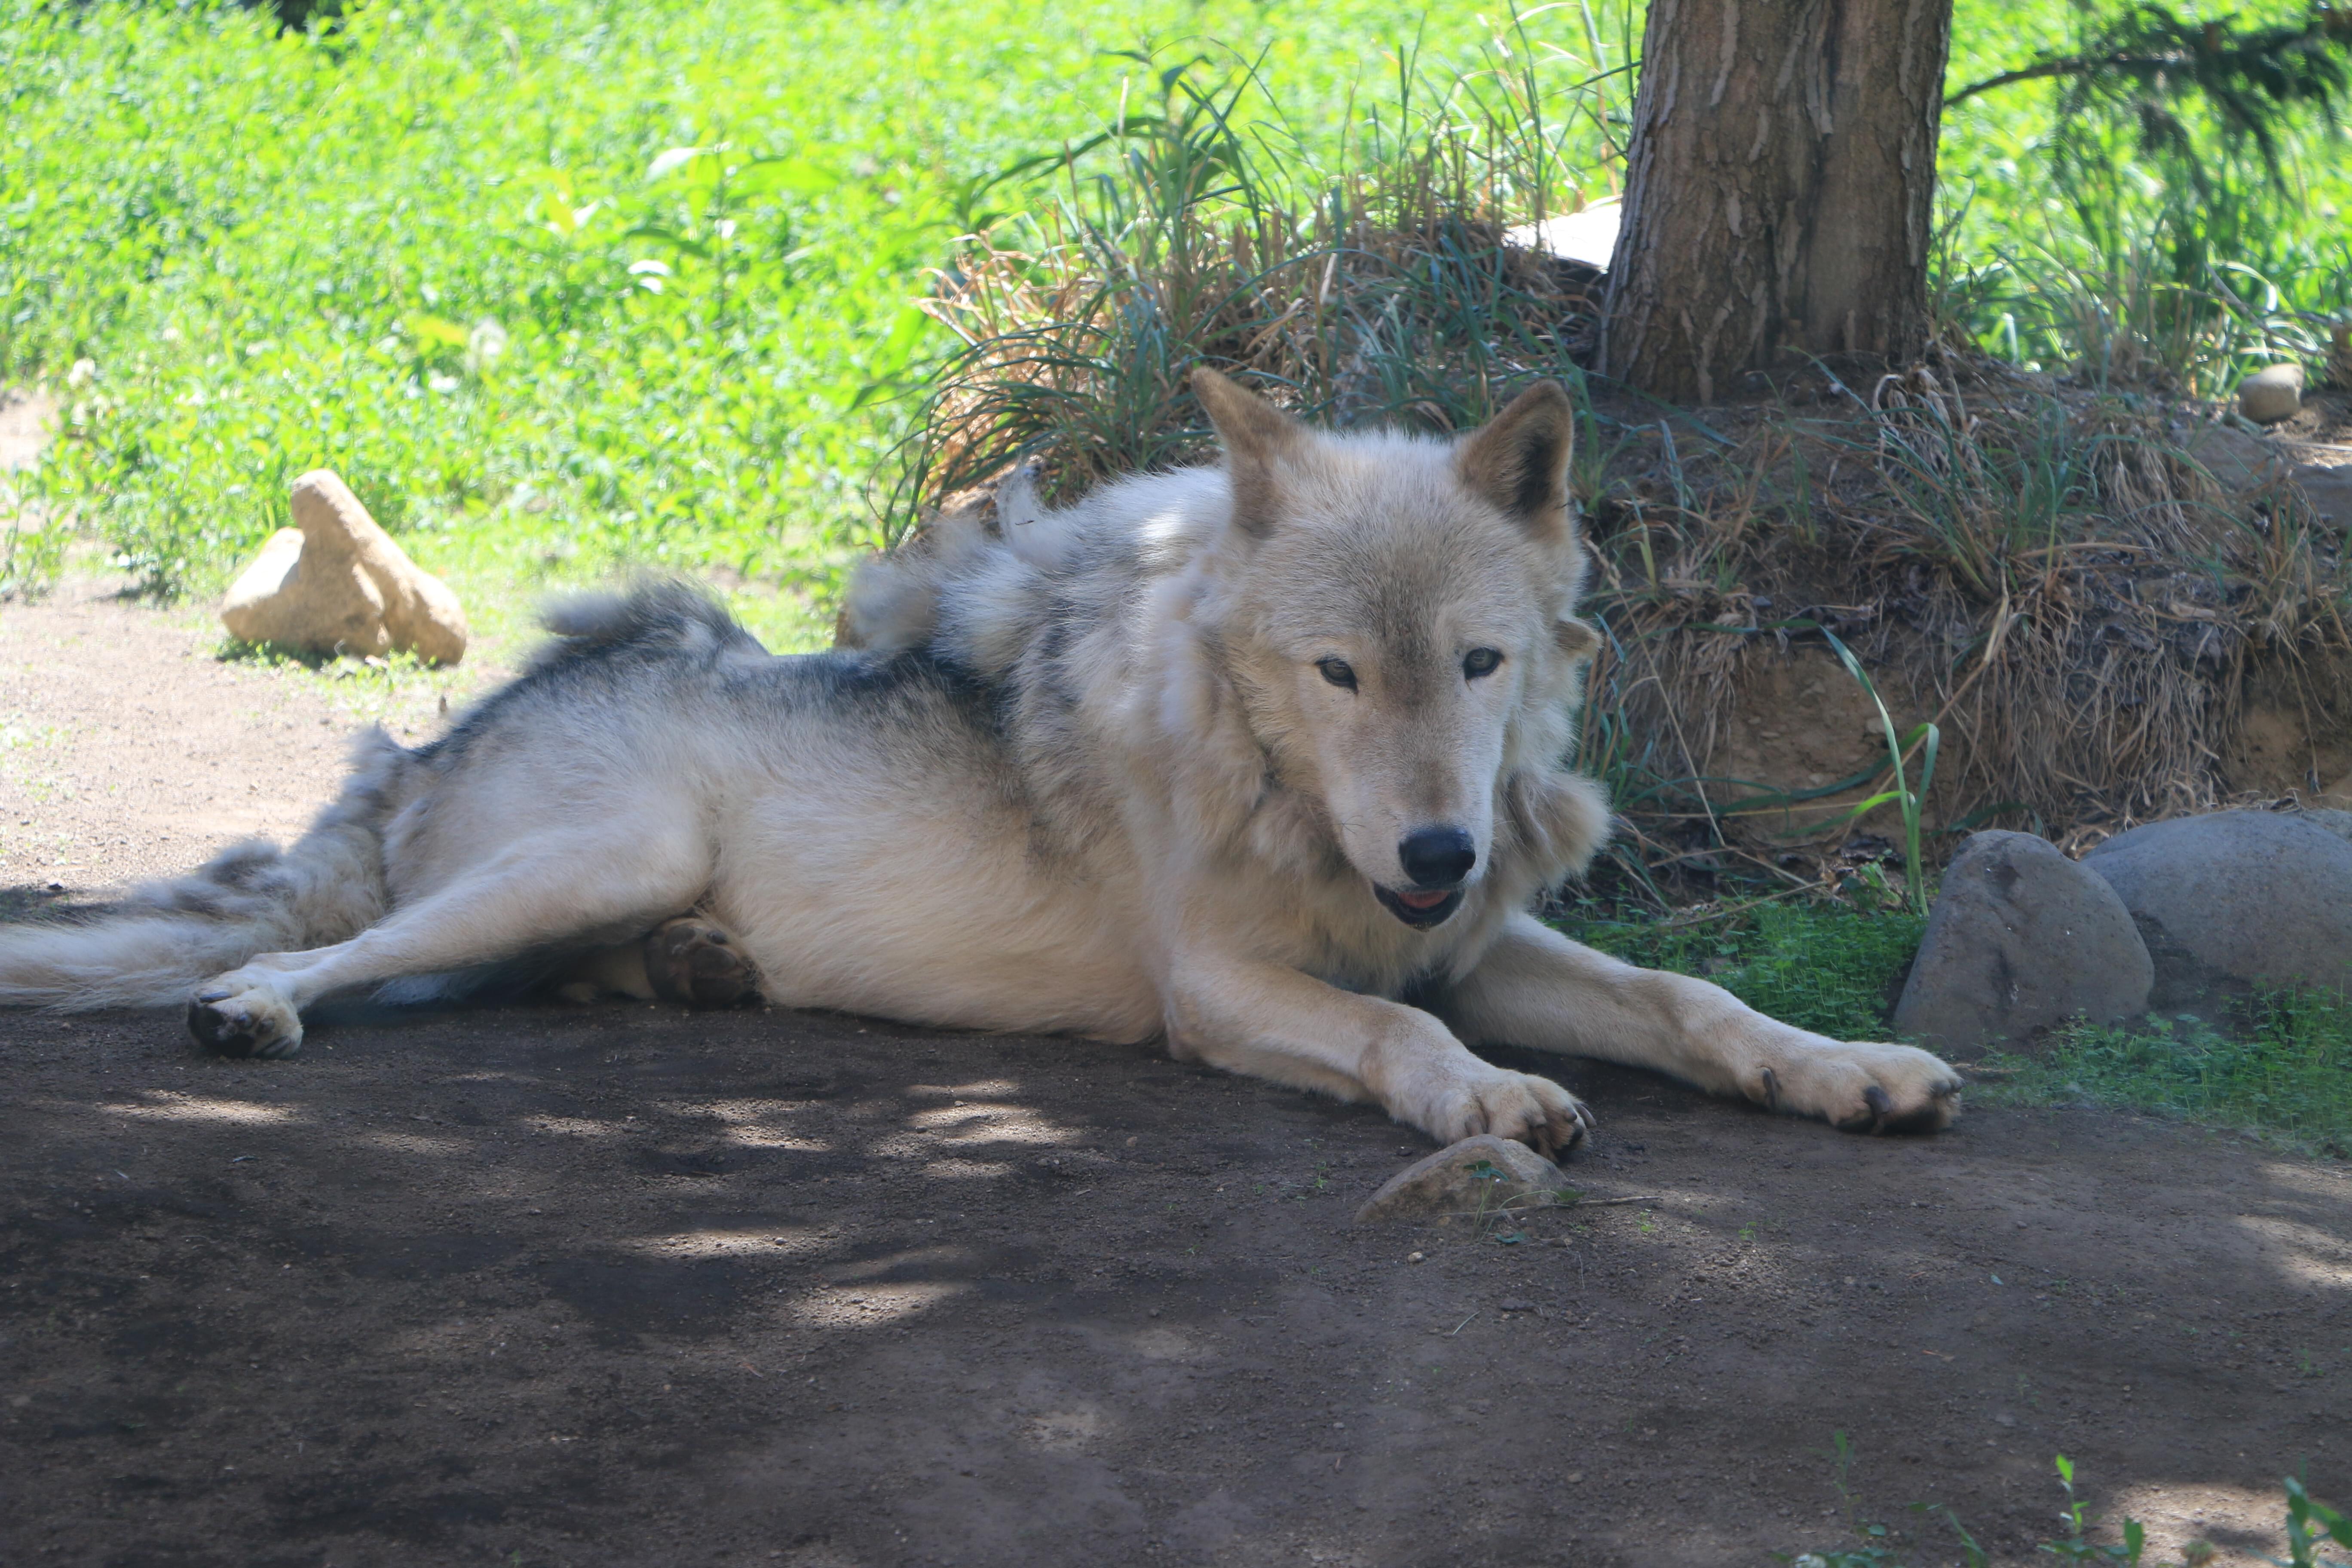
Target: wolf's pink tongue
1421,900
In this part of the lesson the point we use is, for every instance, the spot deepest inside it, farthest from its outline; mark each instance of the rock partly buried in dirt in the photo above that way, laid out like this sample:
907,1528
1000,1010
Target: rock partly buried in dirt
2272,393
2227,900
2327,488
1477,1174
2021,938
336,582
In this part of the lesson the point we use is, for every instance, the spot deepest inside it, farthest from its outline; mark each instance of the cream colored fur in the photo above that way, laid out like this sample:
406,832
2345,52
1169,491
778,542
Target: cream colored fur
1090,770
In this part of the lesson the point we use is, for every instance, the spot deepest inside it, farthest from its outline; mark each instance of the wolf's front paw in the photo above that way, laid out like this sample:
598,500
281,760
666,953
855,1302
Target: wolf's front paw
690,960
232,1019
1535,1110
1863,1087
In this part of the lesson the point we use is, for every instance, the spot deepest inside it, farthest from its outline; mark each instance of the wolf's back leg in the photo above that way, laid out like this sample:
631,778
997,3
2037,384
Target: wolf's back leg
689,959
583,887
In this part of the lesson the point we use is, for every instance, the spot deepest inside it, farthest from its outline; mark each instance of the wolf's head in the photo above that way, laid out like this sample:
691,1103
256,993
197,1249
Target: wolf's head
1396,614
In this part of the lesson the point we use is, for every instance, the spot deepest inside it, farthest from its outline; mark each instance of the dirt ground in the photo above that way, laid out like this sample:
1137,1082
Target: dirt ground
623,1285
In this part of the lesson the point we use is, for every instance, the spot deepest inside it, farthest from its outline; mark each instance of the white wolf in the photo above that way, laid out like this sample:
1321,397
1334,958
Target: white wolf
1263,760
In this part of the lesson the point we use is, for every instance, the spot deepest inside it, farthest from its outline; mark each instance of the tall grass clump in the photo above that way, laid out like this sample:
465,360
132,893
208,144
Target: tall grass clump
1373,285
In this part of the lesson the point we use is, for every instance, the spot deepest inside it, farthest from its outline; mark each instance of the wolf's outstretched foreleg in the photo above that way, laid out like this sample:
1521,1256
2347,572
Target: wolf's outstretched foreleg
1536,988
1271,1021
583,887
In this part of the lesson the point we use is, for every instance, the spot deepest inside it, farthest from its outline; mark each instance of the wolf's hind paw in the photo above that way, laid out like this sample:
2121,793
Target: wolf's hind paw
690,960
230,1022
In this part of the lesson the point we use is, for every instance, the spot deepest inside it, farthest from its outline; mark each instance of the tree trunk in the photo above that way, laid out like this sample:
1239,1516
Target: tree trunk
1780,189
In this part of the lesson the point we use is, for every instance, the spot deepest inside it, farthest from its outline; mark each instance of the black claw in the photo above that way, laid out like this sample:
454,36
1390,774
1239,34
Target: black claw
1771,1090
1878,1100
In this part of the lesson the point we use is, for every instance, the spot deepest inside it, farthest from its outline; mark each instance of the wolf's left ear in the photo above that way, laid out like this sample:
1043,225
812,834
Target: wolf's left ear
1520,459
1255,436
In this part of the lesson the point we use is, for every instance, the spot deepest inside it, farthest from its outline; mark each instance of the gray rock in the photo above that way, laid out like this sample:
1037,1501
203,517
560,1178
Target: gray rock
2272,393
2233,899
1451,1182
2327,488
2339,823
2021,938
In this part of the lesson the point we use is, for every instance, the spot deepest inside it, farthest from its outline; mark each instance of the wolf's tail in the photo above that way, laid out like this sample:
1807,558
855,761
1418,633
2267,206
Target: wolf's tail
252,898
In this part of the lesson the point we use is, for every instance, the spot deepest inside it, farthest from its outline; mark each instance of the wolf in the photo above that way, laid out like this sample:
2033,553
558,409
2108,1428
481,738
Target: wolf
1266,760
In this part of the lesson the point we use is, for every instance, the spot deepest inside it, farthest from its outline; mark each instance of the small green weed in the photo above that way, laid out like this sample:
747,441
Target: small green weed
1925,740
2310,1524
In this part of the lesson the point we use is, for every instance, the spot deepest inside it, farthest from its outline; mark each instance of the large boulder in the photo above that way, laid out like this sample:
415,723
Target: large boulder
2233,900
337,582
2021,938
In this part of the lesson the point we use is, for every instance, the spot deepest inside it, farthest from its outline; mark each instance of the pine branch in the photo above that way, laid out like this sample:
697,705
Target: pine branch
2146,57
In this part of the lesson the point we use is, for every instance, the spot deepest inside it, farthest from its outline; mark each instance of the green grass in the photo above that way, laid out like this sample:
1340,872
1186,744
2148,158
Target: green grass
450,251
1825,967
465,255
2283,1071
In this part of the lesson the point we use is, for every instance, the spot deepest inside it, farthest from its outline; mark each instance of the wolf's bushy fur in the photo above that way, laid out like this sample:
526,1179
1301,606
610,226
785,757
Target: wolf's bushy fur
1167,763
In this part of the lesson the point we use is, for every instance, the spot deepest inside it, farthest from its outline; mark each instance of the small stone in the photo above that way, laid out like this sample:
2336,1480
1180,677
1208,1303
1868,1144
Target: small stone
2233,899
2272,393
1416,1258
1477,1174
2021,938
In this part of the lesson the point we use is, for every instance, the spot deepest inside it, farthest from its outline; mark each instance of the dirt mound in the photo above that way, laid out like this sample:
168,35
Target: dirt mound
2108,621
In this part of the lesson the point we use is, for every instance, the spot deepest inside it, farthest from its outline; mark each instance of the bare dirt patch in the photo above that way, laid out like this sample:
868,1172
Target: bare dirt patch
627,1285
130,747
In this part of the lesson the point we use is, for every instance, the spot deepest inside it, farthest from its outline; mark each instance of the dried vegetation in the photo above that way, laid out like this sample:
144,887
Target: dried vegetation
2042,565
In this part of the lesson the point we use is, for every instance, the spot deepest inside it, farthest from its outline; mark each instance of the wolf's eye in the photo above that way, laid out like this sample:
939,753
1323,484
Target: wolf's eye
1481,661
1337,672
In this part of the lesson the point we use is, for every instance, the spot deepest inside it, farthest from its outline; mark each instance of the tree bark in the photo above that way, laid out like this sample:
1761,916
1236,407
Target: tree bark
1780,189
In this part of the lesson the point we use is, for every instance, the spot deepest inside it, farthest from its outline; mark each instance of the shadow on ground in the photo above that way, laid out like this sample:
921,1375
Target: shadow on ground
544,1286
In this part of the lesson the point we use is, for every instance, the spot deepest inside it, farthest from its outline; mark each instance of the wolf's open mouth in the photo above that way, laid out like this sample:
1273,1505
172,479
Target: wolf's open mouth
1423,910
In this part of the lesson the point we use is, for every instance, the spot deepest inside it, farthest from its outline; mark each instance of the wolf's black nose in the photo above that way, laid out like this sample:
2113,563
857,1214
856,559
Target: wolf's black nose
1437,856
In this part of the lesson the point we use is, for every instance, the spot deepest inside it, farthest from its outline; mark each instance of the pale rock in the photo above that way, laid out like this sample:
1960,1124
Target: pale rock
2235,898
2272,393
2021,939
337,582
1445,1184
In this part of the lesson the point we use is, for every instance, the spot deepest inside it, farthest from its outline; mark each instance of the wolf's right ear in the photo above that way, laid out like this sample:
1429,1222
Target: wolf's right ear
1576,638
1255,436
1520,459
